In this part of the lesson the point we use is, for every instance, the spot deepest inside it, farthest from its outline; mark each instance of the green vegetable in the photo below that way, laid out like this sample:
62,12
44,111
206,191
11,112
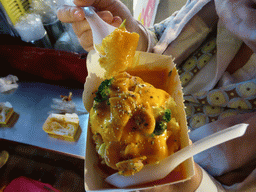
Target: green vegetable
161,125
103,91
122,25
167,115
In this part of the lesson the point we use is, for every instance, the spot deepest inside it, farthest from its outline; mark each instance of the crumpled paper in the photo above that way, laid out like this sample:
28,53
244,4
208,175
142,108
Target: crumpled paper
59,106
65,104
8,83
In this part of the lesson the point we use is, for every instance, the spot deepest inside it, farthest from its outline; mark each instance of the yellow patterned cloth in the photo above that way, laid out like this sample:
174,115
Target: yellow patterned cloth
219,103
197,61
216,104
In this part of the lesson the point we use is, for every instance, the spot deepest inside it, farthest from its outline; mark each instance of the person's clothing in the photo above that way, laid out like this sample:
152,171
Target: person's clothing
202,47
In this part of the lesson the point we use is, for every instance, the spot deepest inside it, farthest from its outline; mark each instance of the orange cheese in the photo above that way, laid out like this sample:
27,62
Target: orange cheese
124,125
117,51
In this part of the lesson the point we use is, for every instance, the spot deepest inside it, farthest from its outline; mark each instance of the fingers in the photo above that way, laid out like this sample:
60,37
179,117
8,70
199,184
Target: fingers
83,31
86,43
117,21
69,14
82,26
108,17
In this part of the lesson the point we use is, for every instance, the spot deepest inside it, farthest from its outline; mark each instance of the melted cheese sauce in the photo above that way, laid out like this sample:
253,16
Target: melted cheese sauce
157,76
117,51
125,124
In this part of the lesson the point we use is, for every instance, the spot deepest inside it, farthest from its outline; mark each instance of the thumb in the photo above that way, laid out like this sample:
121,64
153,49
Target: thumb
69,14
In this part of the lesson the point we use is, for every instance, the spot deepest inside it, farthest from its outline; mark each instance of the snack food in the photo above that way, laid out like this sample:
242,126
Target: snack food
6,111
146,69
119,57
133,123
64,127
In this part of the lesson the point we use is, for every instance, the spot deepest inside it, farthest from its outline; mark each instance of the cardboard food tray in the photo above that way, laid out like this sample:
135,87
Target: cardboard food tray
94,178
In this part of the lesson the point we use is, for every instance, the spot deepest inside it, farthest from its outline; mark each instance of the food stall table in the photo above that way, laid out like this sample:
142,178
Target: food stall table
32,103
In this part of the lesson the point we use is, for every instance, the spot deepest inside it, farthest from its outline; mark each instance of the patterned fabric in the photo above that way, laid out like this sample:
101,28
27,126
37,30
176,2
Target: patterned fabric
219,103
197,61
216,104
223,97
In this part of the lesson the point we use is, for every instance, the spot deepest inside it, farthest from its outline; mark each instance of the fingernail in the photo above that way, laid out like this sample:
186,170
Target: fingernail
78,14
117,18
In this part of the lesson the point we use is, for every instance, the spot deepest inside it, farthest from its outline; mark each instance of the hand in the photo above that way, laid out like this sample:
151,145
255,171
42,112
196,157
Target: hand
75,15
111,11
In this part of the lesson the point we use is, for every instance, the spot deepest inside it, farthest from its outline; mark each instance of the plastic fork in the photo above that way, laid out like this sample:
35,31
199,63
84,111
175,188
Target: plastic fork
100,29
149,173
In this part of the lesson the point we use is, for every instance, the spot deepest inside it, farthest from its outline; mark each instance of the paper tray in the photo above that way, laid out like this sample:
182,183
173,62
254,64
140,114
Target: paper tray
94,178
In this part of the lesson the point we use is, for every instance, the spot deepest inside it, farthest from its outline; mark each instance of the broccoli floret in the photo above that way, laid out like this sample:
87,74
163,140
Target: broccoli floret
103,91
161,125
167,115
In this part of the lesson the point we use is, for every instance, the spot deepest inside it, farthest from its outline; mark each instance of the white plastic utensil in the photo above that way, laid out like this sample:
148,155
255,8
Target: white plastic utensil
100,29
151,172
